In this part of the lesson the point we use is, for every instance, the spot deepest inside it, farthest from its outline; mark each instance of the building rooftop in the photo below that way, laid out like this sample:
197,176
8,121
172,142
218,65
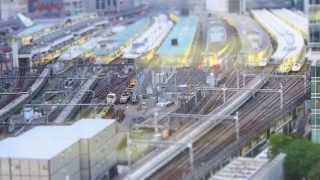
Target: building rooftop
243,168
87,128
45,142
240,169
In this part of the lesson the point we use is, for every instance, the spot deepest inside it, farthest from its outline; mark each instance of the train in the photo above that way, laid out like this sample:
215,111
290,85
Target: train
113,48
143,47
291,49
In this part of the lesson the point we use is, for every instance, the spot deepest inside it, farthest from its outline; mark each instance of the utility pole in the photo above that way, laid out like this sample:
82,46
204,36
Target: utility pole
244,77
243,6
128,149
156,127
190,147
237,126
281,96
224,90
305,83
238,79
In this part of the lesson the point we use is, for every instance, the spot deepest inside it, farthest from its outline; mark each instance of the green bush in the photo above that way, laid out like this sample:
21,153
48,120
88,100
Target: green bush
302,156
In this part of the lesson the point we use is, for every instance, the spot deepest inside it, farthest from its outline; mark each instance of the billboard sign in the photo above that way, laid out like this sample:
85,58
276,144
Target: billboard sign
46,8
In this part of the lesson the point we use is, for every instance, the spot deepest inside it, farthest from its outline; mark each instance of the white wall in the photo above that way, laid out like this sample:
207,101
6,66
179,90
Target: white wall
273,170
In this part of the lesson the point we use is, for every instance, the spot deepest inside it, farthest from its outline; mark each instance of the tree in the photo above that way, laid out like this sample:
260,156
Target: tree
298,161
302,156
314,173
278,142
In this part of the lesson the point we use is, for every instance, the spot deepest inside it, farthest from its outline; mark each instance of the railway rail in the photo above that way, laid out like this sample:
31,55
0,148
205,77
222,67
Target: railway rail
253,117
7,110
195,134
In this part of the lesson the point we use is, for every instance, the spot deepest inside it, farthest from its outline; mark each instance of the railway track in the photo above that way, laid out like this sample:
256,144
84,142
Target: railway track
224,134
249,131
18,87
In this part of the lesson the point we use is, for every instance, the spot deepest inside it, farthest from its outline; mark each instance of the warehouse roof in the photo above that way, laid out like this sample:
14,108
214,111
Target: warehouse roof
87,128
45,142
243,168
240,169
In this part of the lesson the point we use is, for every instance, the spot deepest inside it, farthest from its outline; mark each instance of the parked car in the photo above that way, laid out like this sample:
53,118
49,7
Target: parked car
124,98
111,98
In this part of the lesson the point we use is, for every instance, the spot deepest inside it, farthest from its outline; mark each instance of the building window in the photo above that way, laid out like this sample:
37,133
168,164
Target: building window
315,73
314,35
315,88
314,14
97,4
103,4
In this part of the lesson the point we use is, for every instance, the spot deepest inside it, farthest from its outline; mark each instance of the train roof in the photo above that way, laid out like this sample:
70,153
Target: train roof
253,38
289,41
294,19
151,38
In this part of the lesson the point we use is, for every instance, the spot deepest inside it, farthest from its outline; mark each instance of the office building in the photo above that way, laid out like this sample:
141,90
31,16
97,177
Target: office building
73,7
313,9
10,8
109,6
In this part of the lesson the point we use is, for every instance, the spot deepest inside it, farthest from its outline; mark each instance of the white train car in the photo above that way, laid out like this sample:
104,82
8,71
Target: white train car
294,19
255,42
151,39
299,24
290,50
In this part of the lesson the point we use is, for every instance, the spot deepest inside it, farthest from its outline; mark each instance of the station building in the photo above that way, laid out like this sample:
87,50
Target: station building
82,151
109,6
55,8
